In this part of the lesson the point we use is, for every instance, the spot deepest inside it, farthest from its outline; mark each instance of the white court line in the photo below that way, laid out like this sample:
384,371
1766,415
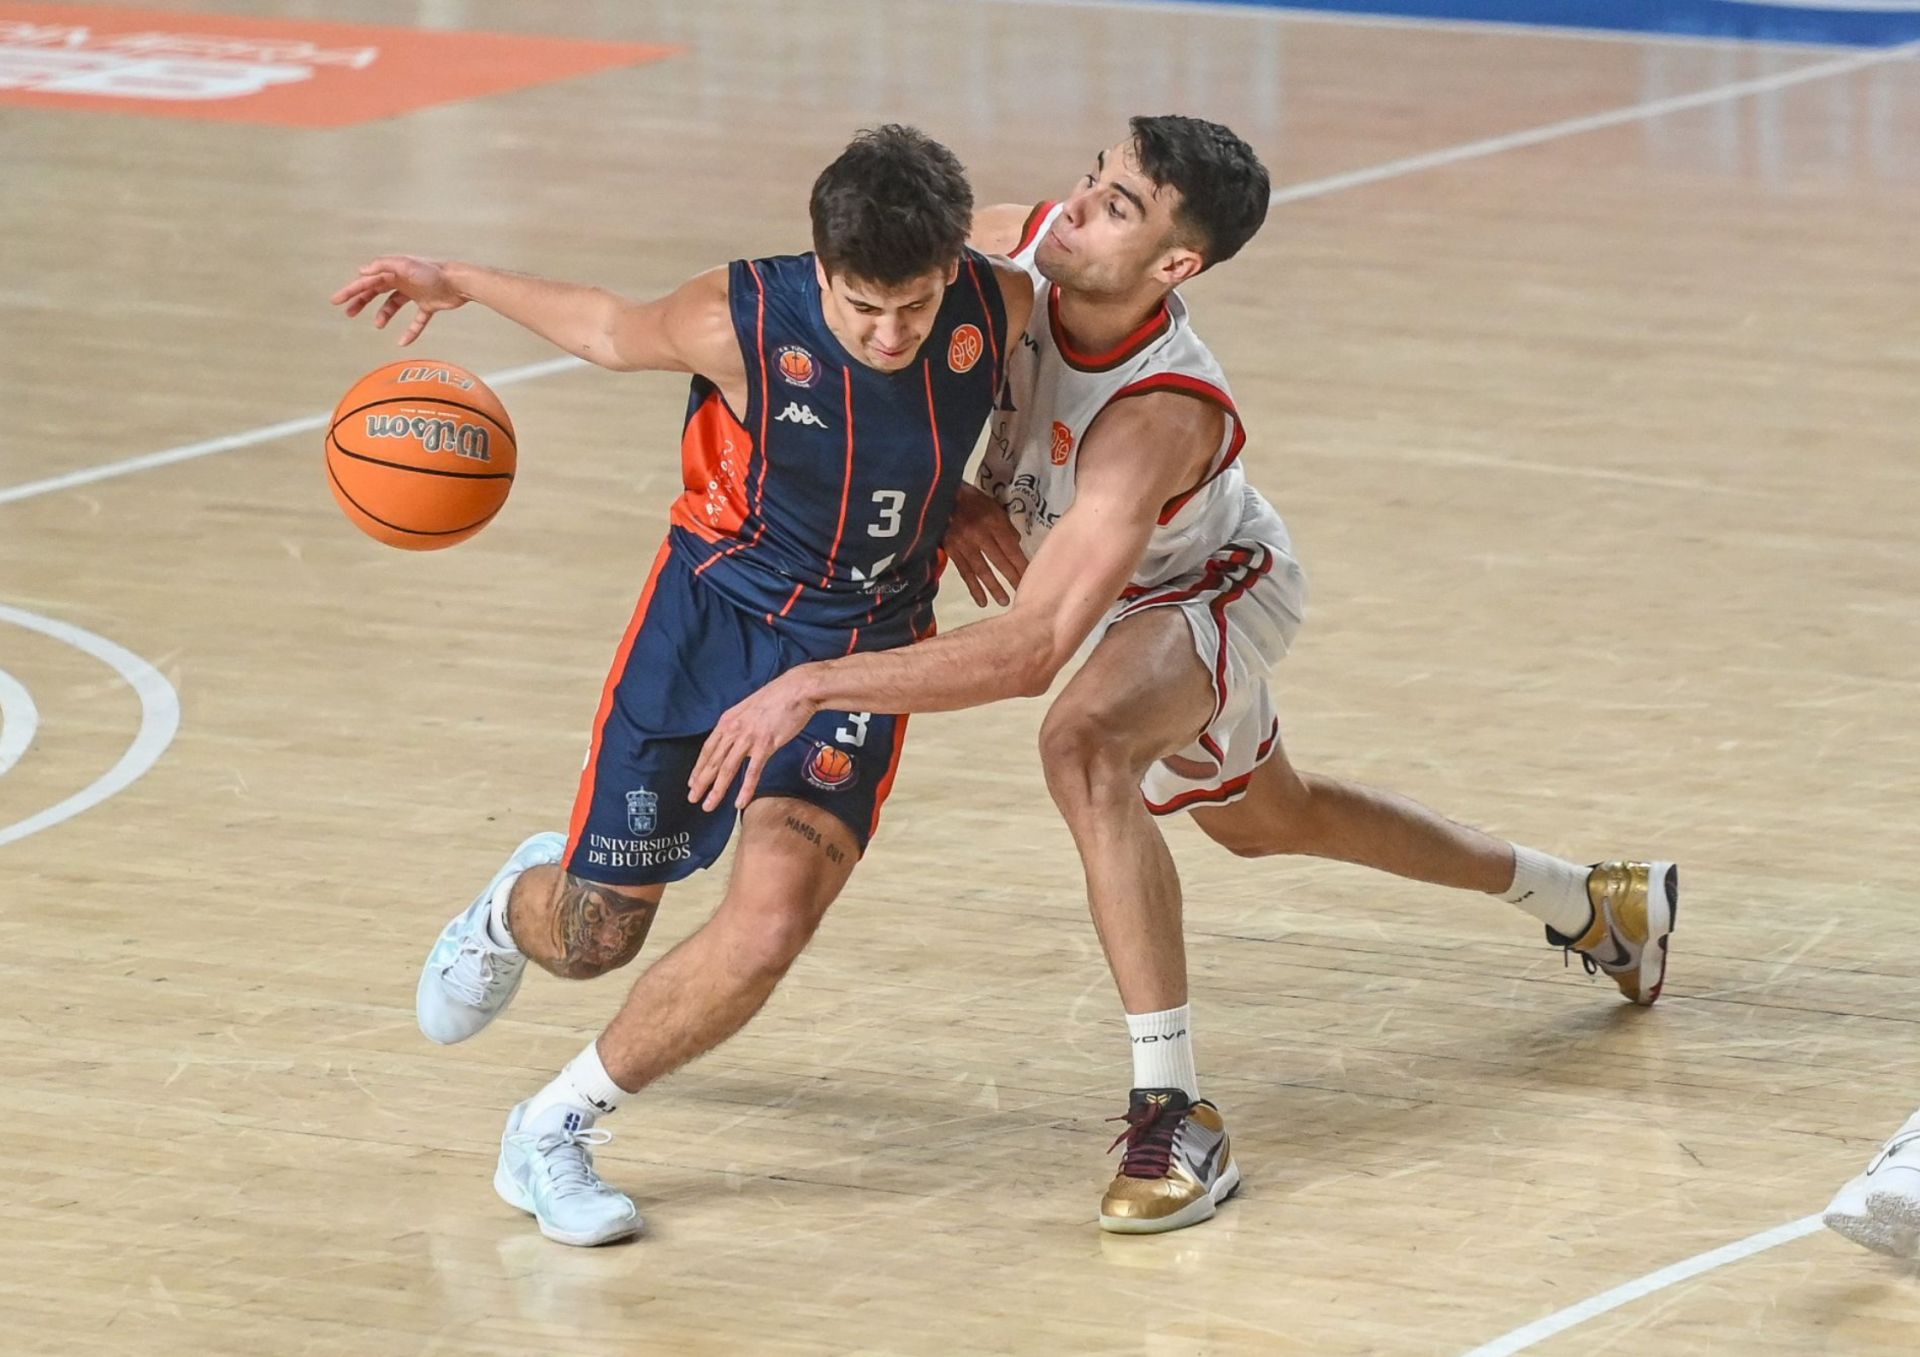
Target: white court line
159,720
1286,14
1315,188
266,433
1474,150
19,718
1528,1335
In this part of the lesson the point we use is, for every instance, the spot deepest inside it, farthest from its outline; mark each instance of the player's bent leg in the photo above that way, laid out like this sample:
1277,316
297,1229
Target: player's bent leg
576,928
793,861
1286,811
1142,695
1618,916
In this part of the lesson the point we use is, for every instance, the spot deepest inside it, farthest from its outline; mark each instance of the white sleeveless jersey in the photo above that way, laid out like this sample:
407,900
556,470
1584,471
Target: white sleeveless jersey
1053,394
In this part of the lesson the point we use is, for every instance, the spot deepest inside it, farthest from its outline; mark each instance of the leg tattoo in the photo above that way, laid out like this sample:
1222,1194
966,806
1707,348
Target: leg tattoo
597,928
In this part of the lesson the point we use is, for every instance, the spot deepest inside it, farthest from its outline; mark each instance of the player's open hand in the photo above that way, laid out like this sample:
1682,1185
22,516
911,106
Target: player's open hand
404,278
749,734
980,540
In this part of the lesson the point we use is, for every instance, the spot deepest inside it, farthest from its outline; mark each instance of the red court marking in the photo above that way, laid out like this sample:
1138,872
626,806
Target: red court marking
279,72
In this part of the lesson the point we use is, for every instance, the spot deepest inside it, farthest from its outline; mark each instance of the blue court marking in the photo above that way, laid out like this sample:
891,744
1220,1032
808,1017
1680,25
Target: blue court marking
1862,23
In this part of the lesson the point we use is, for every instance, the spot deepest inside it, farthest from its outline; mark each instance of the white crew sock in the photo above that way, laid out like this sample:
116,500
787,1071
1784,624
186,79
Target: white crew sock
583,1091
498,936
1552,891
1163,1050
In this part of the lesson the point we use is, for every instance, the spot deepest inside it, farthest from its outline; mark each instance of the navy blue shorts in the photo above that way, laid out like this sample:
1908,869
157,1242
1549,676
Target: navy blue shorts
687,657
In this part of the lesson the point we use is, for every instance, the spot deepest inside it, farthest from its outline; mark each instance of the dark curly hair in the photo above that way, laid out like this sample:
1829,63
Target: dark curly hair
1224,189
895,205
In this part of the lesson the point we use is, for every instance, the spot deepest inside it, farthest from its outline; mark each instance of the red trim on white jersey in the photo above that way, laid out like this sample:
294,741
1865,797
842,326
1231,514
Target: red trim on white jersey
1227,577
1155,325
1030,229
1226,791
1201,390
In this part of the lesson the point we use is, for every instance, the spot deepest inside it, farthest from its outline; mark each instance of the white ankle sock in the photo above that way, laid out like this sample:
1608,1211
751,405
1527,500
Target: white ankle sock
584,1090
1552,891
499,937
1163,1050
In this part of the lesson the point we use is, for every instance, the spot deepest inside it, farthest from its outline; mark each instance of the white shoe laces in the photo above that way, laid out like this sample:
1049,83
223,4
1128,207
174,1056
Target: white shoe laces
476,973
1893,1147
569,1161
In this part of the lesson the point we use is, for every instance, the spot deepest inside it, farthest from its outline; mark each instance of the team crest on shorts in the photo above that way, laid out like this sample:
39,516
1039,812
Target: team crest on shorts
829,769
797,366
643,812
964,349
1062,444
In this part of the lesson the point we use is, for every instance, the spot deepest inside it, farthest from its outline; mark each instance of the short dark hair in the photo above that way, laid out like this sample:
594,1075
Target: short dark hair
895,205
1224,189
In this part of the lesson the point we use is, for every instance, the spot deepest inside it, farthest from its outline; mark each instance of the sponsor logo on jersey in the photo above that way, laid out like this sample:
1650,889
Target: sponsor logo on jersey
643,812
1062,444
829,769
796,413
964,349
797,366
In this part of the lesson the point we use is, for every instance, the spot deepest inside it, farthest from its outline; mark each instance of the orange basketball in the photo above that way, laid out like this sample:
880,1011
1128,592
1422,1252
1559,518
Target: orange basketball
420,454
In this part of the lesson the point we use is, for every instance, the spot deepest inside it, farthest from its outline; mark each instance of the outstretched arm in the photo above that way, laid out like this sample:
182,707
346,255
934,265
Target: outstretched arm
688,330
1140,453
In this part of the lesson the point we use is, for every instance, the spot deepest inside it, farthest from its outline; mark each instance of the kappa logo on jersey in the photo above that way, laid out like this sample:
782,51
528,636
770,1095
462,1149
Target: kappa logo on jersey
829,769
965,348
796,366
796,413
1062,444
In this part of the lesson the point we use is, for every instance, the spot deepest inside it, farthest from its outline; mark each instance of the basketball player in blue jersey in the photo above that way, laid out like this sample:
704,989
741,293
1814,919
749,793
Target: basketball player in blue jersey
1114,465
836,396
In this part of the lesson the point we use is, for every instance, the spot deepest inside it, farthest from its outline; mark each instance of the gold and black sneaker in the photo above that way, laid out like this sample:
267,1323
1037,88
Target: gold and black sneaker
1634,908
1178,1165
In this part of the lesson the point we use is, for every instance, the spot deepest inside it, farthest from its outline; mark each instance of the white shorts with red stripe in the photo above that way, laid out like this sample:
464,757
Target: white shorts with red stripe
1242,608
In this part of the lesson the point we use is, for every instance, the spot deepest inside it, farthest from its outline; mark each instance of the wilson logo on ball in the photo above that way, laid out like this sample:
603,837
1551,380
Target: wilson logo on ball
435,435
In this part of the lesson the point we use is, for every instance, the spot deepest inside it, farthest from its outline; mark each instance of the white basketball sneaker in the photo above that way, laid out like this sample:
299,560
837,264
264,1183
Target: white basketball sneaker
1880,1209
467,980
548,1173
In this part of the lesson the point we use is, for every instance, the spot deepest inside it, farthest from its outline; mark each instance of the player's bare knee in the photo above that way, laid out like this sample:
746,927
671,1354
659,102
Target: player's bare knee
599,928
1085,760
768,939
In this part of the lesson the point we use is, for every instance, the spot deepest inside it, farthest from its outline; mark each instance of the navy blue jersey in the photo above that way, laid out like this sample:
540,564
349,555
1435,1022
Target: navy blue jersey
819,508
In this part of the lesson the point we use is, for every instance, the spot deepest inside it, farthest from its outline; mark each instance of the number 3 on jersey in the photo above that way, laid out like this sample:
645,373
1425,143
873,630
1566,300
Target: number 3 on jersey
890,502
855,731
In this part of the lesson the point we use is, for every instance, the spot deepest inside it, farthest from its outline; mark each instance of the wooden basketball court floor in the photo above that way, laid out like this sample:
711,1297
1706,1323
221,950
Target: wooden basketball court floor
1597,435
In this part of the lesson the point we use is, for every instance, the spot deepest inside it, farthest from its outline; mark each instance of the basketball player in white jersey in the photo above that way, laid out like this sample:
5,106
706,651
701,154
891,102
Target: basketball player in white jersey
1880,1208
1113,465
